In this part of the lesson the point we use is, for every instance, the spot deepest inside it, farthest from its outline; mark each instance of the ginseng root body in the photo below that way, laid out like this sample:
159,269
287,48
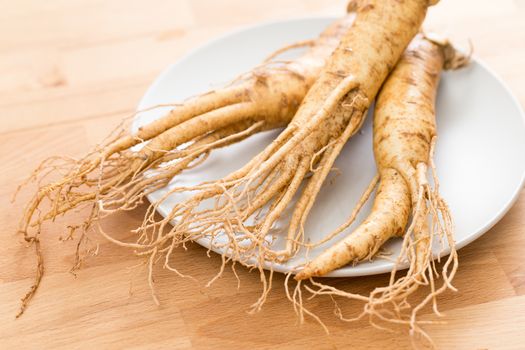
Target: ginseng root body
406,205
246,205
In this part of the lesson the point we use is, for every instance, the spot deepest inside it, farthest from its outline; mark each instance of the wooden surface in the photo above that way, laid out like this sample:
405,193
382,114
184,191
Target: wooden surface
70,70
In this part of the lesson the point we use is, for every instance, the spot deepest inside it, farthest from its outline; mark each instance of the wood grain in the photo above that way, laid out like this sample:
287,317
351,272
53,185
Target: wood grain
70,70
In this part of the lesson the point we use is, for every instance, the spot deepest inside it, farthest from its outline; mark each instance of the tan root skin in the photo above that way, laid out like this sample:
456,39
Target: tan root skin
112,177
388,218
404,138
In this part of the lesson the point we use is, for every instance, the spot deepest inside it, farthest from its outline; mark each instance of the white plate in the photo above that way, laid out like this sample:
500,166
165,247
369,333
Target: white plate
480,153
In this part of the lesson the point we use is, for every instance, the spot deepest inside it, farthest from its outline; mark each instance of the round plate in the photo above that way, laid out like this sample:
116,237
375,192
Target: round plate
480,153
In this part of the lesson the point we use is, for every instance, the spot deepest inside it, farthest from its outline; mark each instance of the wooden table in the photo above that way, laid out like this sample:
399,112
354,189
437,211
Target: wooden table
70,70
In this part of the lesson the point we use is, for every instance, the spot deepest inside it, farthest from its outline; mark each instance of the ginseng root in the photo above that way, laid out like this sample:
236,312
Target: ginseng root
116,177
239,212
404,139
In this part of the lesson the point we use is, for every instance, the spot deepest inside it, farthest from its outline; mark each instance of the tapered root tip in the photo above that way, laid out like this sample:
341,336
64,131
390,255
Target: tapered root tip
300,276
304,274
